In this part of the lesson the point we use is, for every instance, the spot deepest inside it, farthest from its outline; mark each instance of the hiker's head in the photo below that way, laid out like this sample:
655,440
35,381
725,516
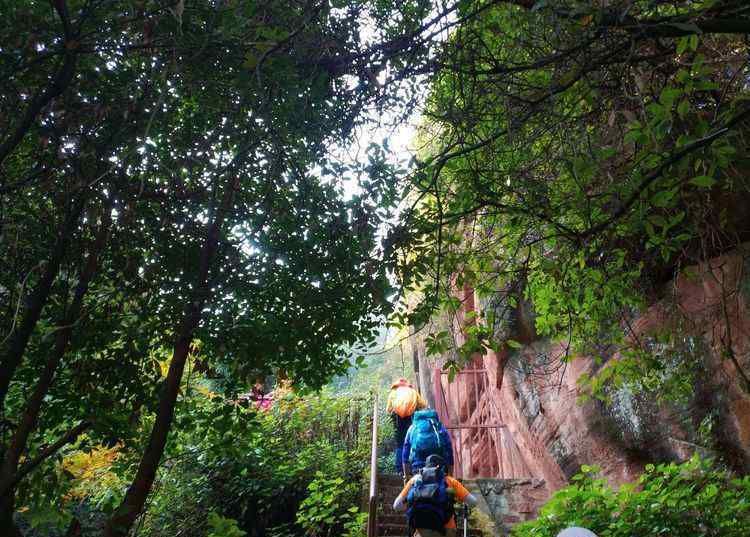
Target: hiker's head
434,461
402,382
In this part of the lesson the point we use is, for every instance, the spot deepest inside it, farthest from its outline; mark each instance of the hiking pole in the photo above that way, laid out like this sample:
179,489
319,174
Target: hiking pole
466,520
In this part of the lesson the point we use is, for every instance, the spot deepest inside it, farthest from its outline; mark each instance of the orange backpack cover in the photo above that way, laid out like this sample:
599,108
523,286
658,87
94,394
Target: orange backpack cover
404,400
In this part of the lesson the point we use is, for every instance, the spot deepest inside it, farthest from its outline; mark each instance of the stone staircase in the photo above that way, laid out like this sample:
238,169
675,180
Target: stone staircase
390,522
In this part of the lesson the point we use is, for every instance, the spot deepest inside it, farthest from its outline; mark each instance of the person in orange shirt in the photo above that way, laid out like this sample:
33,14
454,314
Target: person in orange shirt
429,500
403,401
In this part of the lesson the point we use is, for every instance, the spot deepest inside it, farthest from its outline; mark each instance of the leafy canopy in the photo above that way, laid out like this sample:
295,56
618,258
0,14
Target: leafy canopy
576,156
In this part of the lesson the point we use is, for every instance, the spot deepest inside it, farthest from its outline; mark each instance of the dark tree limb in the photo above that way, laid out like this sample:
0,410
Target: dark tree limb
38,299
681,28
135,498
662,168
27,423
55,88
7,501
26,469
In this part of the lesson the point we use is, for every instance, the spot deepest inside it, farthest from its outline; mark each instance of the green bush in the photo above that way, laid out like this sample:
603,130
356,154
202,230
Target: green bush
675,500
223,527
330,508
295,470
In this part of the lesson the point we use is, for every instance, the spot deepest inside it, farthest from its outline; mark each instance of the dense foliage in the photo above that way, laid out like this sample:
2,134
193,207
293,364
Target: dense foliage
167,204
292,470
172,220
576,155
296,469
684,500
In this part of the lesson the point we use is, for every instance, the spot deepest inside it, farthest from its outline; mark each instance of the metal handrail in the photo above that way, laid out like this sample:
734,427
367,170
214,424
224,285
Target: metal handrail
372,517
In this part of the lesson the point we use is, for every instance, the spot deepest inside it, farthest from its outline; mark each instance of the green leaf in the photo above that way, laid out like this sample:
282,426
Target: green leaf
703,181
663,198
668,96
682,44
707,85
658,220
513,344
683,108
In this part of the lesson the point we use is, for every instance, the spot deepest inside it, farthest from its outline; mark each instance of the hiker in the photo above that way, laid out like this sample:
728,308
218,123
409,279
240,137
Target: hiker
262,400
403,401
429,497
426,437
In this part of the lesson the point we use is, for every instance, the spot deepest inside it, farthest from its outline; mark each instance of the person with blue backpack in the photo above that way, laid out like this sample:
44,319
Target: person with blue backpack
429,497
426,436
403,401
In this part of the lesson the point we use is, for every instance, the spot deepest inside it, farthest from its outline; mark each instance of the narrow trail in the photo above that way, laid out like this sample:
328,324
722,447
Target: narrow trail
506,499
391,523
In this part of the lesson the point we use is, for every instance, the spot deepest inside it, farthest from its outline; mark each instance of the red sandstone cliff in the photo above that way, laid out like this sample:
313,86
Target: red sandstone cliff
517,416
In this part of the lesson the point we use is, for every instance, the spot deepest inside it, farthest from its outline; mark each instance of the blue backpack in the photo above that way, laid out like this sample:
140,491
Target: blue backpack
425,435
430,506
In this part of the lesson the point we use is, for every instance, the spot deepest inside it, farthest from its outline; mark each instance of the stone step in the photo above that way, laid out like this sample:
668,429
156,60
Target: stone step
387,497
396,483
392,519
389,492
390,486
393,529
390,478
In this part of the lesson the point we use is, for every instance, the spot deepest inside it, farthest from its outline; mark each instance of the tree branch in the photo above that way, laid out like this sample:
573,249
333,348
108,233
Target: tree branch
663,167
50,450
55,88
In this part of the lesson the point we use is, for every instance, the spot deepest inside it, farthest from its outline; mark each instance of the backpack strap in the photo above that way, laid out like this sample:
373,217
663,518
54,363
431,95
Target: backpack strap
437,433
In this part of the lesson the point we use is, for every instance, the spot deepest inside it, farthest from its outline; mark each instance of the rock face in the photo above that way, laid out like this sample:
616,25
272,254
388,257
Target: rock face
509,501
517,415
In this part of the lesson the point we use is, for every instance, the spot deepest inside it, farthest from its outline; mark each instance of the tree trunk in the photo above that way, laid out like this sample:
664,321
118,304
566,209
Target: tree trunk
9,528
132,505
72,434
74,528
37,301
26,426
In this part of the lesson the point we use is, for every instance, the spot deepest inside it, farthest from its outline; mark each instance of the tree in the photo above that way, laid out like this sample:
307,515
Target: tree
163,168
577,155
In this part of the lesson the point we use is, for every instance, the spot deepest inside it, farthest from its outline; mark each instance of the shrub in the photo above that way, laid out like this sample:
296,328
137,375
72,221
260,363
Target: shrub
294,470
676,500
330,508
223,527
